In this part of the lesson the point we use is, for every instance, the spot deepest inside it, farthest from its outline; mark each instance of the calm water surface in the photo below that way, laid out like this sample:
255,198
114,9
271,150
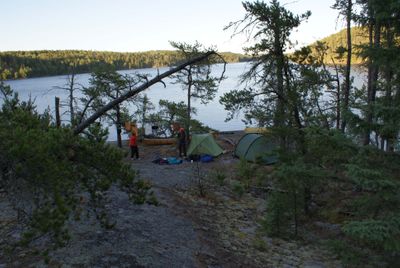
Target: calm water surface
43,90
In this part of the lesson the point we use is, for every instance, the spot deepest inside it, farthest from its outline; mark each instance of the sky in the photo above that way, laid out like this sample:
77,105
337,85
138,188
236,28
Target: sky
141,25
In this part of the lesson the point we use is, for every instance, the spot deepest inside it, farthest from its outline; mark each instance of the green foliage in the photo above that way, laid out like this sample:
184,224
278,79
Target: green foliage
378,234
143,107
349,255
198,127
96,133
106,86
238,188
276,221
328,148
259,244
220,178
21,64
290,201
338,41
139,192
199,178
301,103
196,79
246,172
172,112
270,95
152,199
377,221
51,175
299,175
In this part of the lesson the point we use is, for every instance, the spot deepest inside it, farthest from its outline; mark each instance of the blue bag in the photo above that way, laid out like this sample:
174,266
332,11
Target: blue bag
174,161
206,158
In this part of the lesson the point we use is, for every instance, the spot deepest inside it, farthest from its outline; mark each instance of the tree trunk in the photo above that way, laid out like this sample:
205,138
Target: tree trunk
337,96
279,117
296,221
189,93
118,125
57,108
388,74
142,127
348,66
71,98
83,125
375,70
280,109
374,42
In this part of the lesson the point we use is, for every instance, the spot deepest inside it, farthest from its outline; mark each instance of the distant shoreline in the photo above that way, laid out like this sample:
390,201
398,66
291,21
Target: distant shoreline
45,63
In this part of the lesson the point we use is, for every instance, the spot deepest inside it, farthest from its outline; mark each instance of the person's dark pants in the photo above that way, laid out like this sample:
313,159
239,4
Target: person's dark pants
182,148
134,151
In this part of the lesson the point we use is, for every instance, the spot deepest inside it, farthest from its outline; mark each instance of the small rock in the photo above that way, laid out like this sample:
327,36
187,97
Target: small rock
16,236
227,244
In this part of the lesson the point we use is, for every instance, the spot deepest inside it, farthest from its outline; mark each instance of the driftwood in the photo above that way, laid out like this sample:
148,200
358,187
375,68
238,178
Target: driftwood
78,129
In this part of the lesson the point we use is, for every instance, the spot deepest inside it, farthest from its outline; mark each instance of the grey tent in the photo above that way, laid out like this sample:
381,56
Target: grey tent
256,147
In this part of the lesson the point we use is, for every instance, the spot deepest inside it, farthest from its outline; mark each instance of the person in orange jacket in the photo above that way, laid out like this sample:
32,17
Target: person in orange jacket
133,145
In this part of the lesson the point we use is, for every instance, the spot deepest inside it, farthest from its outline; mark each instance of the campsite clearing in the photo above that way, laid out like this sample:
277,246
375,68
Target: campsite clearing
185,230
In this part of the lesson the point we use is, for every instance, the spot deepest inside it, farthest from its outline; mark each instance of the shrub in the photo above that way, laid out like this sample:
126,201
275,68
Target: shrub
238,188
47,171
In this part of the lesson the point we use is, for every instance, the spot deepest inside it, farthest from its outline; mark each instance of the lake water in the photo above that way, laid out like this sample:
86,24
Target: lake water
43,90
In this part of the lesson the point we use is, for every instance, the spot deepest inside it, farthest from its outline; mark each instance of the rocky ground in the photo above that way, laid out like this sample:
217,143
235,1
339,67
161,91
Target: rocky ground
185,230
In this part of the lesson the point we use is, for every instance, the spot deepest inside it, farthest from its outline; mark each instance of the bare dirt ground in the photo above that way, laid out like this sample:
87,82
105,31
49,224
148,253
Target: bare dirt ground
185,230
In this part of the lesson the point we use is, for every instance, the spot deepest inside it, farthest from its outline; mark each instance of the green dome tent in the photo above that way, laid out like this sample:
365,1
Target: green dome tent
203,144
256,147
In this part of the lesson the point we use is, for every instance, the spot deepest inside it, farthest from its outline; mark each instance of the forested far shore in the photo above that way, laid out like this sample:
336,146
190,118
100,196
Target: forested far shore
26,64
38,63
336,46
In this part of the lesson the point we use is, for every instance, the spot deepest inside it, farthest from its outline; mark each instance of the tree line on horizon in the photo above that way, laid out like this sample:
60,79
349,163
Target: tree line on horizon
37,63
26,64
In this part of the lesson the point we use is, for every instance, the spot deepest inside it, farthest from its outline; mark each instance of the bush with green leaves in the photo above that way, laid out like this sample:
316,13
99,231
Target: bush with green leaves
246,173
376,221
238,188
176,112
220,177
289,201
298,175
50,175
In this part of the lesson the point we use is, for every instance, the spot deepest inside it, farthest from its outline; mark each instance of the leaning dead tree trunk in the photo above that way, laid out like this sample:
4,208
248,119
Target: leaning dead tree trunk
78,129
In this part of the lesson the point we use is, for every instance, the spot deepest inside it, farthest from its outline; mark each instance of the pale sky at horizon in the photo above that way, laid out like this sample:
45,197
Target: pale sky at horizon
139,25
